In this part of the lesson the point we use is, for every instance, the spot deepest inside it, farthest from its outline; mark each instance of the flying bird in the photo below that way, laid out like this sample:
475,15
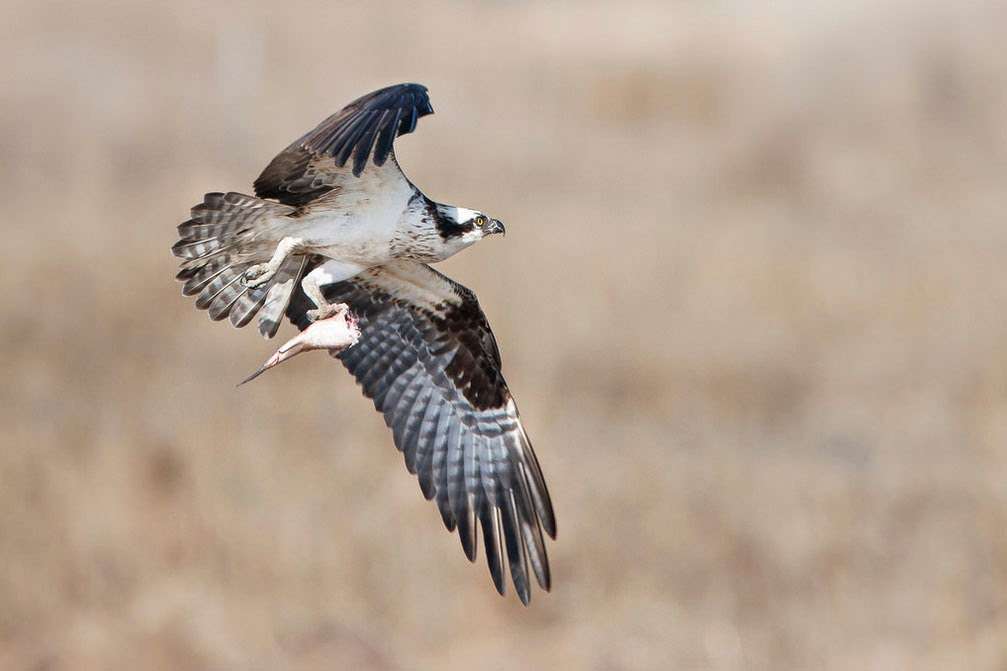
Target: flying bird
339,240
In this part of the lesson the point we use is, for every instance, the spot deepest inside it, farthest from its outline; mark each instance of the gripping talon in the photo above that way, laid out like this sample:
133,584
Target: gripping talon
257,275
326,311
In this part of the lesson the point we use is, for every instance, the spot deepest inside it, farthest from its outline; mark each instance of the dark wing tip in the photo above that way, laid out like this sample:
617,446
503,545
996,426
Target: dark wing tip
378,116
550,525
364,130
468,535
490,522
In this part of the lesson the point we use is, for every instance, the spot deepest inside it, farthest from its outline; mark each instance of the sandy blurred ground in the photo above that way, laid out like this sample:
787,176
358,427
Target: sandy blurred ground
751,303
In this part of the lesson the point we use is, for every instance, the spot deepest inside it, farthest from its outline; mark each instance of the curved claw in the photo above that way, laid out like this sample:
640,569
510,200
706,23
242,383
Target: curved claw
326,311
257,275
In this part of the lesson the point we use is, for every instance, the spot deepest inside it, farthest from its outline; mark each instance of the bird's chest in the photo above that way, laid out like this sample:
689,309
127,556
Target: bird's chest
417,239
358,227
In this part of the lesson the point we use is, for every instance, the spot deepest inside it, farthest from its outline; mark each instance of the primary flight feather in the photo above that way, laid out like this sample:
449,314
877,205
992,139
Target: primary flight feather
338,240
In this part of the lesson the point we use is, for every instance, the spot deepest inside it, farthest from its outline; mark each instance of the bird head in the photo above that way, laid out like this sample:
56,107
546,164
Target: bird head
461,227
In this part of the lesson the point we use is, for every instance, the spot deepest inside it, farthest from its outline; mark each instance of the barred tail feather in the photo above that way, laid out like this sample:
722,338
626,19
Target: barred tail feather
226,235
274,304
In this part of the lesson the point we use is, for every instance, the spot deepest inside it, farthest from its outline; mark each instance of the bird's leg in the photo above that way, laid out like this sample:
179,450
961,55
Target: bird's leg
261,273
313,291
328,273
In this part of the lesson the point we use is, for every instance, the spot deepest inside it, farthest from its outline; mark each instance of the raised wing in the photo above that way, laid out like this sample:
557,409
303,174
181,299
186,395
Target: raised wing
429,361
316,163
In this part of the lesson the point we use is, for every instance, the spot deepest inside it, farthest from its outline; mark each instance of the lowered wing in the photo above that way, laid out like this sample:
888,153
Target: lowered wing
427,358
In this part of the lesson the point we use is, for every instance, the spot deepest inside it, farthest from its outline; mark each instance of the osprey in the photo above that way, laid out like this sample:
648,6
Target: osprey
339,240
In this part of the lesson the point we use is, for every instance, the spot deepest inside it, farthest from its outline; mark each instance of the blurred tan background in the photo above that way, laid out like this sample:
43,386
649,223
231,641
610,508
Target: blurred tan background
751,303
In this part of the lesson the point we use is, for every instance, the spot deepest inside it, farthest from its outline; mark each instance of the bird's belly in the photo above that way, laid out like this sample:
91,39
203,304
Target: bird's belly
363,237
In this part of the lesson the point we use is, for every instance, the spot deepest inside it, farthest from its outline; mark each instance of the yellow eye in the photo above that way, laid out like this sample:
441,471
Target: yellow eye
480,221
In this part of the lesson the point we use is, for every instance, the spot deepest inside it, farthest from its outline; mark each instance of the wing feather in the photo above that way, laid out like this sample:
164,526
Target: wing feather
439,465
489,520
404,417
454,476
428,360
426,445
366,129
410,434
386,135
362,150
517,559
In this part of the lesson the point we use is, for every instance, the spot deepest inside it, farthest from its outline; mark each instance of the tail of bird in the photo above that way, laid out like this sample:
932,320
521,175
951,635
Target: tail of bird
228,233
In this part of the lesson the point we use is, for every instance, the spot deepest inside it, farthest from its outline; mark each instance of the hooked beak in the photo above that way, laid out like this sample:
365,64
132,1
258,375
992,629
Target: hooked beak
495,226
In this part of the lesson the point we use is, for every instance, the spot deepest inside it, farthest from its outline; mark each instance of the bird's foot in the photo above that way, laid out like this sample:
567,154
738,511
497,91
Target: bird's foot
326,310
258,275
